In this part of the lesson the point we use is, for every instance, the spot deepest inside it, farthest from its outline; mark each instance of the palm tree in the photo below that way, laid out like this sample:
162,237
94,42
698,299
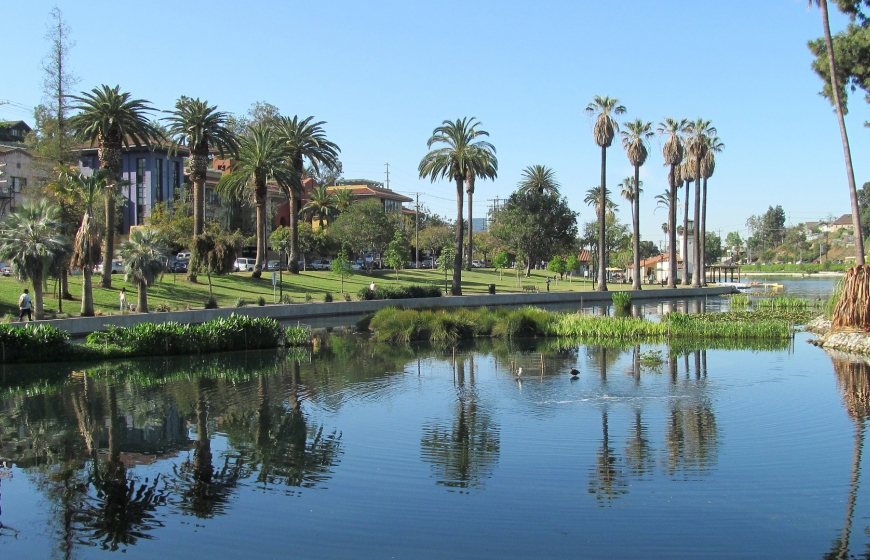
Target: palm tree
538,178
201,128
262,154
632,195
29,238
844,137
343,200
110,119
143,255
708,166
451,161
321,203
673,154
304,140
686,174
635,140
699,132
88,190
481,163
604,109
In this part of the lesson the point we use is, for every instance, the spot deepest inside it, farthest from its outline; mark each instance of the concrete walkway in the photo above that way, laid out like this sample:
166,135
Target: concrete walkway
307,312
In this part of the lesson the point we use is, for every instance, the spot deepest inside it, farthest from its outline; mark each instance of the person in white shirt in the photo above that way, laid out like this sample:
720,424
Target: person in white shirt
25,306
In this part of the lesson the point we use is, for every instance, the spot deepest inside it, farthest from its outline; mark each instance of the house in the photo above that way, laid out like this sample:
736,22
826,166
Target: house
151,174
13,131
657,268
22,175
844,222
584,266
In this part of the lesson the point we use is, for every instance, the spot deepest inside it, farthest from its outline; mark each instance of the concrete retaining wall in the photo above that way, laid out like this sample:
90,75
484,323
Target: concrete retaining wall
305,312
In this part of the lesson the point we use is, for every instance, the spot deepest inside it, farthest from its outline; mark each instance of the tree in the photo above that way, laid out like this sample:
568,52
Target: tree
700,131
648,249
840,109
143,256
864,205
538,225
363,227
481,163
458,143
557,265
672,151
733,242
340,266
708,166
262,154
485,245
604,109
321,204
111,119
202,129
635,140
306,141
435,236
29,239
572,263
396,254
87,238
447,262
616,236
217,253
279,240
539,178
686,174
174,222
500,261
712,247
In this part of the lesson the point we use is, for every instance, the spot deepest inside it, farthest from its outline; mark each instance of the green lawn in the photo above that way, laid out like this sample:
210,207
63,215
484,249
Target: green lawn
175,291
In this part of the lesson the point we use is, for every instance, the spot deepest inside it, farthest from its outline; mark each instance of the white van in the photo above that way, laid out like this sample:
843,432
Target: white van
244,264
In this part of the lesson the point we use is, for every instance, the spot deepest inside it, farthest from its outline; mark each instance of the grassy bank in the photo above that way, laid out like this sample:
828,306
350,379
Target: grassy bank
173,292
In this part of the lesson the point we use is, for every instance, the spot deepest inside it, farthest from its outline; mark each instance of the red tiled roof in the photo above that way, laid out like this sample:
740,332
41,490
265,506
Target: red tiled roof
363,191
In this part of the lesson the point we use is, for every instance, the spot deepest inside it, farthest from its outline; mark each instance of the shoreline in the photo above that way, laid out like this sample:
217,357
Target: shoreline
823,274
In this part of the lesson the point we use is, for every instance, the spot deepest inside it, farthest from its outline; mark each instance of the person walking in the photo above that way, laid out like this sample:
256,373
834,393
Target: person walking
25,306
122,300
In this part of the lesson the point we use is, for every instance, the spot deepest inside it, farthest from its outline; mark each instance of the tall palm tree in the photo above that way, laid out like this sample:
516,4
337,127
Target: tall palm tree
538,178
686,175
708,166
321,203
672,151
262,154
305,139
87,239
481,163
143,255
111,119
844,137
459,141
201,128
635,140
29,238
603,109
699,132
632,194
343,200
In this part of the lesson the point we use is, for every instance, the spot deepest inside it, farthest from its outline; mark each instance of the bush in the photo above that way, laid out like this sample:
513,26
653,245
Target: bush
211,303
327,297
297,336
621,301
400,292
32,343
261,301
241,302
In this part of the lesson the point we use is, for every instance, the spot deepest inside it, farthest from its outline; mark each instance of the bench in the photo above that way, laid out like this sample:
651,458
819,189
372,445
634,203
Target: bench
530,288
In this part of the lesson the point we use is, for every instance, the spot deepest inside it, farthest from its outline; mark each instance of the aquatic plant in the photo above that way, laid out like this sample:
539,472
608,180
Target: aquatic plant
621,301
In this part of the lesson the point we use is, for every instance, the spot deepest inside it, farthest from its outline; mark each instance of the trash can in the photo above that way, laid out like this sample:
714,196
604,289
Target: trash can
491,289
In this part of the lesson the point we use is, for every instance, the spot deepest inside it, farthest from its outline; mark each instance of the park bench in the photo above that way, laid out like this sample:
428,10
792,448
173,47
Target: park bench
530,288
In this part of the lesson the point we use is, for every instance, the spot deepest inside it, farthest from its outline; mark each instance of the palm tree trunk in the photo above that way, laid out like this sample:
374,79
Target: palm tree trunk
87,291
699,251
703,228
198,222
64,284
261,241
470,193
36,278
456,289
636,226
672,230
685,241
142,297
602,257
844,137
293,264
109,246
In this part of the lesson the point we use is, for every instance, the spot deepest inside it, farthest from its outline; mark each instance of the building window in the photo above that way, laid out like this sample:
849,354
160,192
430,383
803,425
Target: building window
140,190
17,183
158,180
176,178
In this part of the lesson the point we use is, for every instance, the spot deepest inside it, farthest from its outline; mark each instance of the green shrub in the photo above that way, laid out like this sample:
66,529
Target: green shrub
211,303
261,301
241,302
621,302
400,292
299,335
327,297
32,343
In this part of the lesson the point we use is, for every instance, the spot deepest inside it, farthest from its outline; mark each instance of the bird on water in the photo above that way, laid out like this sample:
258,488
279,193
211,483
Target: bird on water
574,373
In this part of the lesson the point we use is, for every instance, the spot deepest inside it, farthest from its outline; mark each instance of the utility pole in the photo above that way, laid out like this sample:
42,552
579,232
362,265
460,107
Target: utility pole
387,165
495,207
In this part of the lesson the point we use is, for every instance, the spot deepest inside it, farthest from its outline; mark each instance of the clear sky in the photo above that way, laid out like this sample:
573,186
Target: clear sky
383,74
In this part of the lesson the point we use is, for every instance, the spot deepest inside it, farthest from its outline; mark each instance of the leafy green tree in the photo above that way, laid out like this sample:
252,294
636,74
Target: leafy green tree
174,222
648,249
447,262
29,239
712,247
834,88
485,245
733,242
340,266
572,263
111,119
864,205
306,141
279,240
87,238
435,236
539,225
635,140
202,129
143,256
459,143
558,266
262,154
217,253
397,252
673,151
616,236
604,109
538,178
363,226
500,261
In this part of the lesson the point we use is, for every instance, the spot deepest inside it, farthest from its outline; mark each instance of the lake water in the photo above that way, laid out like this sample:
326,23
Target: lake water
369,451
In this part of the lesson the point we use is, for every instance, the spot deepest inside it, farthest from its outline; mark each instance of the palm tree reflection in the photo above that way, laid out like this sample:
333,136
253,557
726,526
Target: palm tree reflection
608,481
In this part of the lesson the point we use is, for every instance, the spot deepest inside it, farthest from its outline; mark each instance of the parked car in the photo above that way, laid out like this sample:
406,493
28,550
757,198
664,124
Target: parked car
477,264
5,269
183,256
276,265
117,267
178,265
320,264
244,264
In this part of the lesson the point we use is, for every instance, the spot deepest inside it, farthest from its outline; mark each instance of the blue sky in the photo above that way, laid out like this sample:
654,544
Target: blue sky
383,74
